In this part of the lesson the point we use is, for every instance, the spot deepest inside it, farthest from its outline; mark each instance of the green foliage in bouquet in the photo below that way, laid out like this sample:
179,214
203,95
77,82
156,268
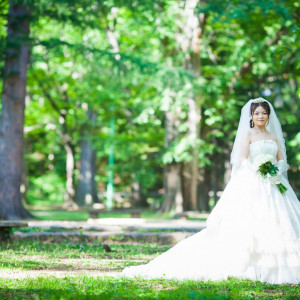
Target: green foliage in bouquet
282,189
268,168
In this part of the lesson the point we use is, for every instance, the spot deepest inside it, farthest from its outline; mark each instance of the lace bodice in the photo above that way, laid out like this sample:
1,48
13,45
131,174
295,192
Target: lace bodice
263,147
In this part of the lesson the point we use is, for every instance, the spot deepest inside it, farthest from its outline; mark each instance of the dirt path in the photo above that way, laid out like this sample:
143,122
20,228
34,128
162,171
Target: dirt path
69,268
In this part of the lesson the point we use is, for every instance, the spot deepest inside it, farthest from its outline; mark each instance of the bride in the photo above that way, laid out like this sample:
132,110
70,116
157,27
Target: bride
254,230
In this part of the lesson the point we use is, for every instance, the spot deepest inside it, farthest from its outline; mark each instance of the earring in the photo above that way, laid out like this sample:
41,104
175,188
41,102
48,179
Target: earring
251,123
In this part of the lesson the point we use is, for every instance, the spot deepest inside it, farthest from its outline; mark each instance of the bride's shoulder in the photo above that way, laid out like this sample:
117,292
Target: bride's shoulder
249,133
273,136
247,136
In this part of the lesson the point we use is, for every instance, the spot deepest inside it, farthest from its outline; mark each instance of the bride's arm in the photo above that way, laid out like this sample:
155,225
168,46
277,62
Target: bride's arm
245,162
279,152
245,146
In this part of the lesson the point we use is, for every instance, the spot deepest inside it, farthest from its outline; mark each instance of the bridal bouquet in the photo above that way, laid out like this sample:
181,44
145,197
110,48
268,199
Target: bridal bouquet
263,165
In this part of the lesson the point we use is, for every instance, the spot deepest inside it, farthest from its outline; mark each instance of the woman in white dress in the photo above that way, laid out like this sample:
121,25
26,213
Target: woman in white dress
254,230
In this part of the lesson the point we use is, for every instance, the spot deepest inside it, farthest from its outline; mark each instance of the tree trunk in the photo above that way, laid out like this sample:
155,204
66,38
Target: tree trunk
12,117
137,196
67,143
190,45
86,191
204,187
172,180
215,178
172,186
191,170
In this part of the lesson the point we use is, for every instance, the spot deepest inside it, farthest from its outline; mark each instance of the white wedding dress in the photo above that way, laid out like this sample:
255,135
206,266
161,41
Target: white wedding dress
253,233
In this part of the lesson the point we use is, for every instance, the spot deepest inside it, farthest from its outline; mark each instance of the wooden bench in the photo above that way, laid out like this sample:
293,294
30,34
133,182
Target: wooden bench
134,213
6,228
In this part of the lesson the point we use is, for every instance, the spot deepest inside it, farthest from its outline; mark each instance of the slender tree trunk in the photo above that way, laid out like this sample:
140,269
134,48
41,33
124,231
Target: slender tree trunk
12,117
215,178
69,148
172,185
190,45
191,170
172,180
86,191
137,195
204,188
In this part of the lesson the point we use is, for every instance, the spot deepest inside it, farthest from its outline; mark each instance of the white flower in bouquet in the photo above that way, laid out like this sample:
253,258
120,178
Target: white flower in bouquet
274,179
261,159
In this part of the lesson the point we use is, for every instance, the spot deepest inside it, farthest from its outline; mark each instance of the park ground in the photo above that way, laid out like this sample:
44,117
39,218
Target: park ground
61,255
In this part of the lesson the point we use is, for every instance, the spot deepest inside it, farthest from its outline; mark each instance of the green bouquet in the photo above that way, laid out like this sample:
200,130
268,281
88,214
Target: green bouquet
264,166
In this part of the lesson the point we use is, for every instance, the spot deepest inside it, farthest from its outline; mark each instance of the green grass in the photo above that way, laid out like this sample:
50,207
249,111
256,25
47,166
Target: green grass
60,215
120,288
83,287
63,215
29,256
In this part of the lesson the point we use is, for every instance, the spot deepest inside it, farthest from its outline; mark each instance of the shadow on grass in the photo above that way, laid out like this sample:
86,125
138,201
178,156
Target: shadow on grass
25,264
96,250
72,265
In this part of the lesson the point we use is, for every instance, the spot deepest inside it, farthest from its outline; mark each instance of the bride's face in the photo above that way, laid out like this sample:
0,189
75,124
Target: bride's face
260,117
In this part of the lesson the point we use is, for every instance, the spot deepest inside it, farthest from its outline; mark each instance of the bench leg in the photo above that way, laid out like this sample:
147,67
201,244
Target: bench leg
94,215
5,233
135,214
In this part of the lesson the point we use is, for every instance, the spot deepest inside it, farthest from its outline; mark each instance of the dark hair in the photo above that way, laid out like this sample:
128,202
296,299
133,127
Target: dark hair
254,106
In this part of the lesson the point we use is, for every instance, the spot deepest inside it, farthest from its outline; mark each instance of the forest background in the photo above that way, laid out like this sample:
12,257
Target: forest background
140,97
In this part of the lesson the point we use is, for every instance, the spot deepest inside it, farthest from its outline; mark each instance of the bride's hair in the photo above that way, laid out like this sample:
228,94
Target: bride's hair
254,106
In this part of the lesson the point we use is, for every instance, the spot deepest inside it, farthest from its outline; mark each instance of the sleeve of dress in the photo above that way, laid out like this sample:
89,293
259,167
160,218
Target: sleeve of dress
282,166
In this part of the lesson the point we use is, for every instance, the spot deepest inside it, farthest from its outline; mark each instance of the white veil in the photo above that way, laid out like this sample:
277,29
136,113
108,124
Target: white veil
244,125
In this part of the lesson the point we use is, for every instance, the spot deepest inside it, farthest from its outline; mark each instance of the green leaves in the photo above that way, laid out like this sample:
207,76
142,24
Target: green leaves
266,168
246,49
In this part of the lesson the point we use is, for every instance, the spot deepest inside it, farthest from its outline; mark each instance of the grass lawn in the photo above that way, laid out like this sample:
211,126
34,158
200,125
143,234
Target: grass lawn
64,215
84,287
79,267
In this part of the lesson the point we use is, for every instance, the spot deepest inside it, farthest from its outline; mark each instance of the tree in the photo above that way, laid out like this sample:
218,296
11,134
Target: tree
12,115
193,29
86,190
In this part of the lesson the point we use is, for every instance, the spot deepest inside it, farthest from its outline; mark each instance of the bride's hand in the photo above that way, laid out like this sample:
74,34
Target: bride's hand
247,164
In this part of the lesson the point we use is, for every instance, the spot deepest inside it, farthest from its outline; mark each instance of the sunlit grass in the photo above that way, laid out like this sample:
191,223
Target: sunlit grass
80,287
31,256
